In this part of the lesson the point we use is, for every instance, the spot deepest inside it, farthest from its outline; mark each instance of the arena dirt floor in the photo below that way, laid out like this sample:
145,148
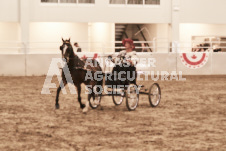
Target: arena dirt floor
191,116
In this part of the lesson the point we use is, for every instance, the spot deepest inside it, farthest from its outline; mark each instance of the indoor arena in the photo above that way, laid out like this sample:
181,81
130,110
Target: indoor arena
99,75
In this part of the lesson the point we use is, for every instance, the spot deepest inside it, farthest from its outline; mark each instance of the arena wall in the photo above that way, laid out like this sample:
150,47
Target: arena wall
219,63
53,31
189,12
38,64
12,65
202,11
102,11
9,10
9,32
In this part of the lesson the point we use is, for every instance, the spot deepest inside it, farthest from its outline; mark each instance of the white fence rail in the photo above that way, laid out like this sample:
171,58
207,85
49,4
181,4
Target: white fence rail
101,47
53,47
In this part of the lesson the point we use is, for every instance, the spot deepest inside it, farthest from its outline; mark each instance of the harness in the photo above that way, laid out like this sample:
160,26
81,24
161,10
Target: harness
82,68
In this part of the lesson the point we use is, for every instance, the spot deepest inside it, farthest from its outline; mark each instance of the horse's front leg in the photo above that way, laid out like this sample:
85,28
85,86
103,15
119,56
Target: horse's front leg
57,106
82,106
62,84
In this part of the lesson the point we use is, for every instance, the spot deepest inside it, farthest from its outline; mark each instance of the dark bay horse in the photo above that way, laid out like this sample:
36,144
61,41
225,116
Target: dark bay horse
78,70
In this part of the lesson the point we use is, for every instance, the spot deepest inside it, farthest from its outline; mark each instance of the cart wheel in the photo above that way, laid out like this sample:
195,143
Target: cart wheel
154,95
118,96
132,97
94,101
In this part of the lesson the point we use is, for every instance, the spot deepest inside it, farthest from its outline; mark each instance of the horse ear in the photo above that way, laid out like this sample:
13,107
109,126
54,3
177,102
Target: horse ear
62,39
69,39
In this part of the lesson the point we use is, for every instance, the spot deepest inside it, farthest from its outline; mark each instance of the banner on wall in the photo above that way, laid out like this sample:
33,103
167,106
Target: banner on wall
194,60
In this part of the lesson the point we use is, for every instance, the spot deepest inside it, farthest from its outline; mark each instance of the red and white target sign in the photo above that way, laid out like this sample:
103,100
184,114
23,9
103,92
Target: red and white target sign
194,60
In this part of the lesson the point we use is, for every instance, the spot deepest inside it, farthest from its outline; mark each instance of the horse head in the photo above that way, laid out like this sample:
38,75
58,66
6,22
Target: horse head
66,49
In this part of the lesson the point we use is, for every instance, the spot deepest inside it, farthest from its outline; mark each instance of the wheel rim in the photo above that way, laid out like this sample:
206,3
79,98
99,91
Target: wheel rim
132,97
155,94
118,96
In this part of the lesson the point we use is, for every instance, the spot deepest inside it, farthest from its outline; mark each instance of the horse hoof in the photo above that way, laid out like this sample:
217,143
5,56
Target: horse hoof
85,110
101,108
82,106
57,106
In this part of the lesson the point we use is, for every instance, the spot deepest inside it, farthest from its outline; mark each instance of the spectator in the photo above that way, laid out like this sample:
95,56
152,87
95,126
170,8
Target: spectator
216,48
196,49
201,48
77,46
144,48
206,46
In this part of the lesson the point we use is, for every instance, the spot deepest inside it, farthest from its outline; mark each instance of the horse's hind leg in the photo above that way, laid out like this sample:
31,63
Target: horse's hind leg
79,96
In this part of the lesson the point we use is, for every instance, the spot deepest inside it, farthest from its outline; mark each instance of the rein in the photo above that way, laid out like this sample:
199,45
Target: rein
79,68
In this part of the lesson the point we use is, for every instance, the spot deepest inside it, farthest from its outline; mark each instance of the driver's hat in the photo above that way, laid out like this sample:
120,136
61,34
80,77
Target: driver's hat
130,41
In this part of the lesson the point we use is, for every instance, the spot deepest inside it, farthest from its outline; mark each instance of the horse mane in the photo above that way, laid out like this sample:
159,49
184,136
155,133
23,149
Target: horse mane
76,62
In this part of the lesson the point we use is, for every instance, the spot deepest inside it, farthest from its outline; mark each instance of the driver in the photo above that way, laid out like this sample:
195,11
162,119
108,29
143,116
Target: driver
126,61
127,55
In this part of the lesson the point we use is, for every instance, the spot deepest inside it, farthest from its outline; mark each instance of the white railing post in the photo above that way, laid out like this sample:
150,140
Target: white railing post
154,46
24,47
175,46
211,46
102,47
